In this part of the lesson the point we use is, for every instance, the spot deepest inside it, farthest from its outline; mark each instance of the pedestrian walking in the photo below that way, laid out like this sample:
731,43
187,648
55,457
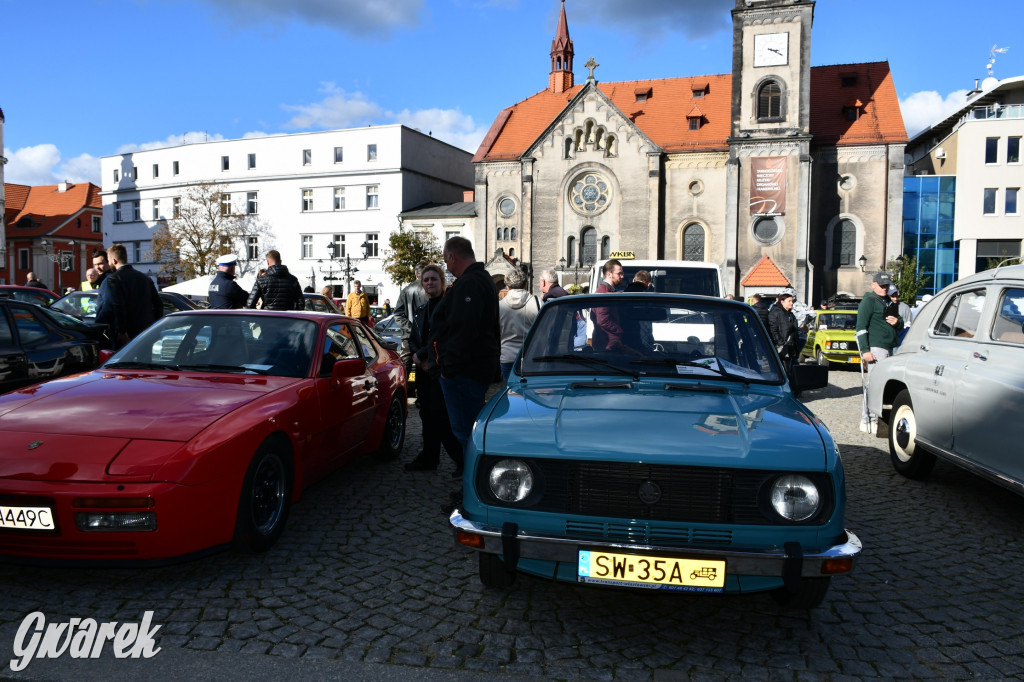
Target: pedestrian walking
784,330
357,304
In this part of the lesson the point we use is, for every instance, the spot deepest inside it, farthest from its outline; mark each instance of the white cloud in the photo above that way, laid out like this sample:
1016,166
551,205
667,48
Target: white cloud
337,110
359,18
448,125
43,165
926,108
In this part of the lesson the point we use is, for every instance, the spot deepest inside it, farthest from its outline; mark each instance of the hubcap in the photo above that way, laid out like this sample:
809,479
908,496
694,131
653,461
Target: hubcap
268,494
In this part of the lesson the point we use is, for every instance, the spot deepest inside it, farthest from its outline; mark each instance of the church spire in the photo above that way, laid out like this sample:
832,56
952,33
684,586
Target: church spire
561,79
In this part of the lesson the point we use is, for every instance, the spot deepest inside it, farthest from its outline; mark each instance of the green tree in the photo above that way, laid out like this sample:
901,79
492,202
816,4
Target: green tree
907,278
406,248
208,224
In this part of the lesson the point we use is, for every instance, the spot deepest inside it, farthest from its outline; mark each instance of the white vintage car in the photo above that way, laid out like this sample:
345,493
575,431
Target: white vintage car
955,387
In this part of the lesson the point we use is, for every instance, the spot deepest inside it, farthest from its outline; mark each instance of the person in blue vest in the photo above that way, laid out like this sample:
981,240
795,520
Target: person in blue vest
224,290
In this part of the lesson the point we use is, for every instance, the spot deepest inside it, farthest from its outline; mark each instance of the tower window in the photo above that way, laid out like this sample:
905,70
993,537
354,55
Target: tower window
769,101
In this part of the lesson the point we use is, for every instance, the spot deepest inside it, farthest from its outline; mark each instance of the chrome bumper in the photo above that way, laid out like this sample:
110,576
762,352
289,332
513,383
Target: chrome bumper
566,550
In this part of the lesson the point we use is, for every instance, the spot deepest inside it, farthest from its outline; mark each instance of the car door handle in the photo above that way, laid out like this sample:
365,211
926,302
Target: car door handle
923,347
980,356
369,384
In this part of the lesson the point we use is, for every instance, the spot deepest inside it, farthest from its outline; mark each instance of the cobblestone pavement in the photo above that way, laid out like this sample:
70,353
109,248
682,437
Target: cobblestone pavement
366,583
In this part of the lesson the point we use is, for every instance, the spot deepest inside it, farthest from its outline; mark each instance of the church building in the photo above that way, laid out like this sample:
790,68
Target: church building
776,168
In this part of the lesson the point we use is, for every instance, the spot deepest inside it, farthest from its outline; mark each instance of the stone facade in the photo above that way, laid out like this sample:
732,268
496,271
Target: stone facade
665,168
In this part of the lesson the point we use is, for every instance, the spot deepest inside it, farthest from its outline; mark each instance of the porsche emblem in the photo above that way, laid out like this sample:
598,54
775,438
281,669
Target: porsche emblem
650,493
34,444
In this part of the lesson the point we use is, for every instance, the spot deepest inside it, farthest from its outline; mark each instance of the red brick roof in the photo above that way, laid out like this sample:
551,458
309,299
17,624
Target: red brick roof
765,274
662,117
49,209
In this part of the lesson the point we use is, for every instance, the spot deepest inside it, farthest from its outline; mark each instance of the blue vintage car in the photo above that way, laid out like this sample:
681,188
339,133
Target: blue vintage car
652,441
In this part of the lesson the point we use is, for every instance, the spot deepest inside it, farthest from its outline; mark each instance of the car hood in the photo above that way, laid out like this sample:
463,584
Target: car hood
95,415
649,422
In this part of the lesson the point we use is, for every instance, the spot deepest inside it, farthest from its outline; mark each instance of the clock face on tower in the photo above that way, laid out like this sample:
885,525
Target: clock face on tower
771,49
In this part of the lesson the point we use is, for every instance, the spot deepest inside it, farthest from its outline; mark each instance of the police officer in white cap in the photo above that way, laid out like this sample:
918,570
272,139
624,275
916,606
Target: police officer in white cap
224,291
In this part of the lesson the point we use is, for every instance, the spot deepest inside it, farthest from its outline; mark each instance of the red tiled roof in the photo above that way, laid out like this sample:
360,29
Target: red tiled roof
660,117
765,274
50,209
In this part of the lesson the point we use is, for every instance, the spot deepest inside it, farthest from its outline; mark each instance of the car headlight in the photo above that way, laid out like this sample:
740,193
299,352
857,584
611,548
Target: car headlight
511,480
795,497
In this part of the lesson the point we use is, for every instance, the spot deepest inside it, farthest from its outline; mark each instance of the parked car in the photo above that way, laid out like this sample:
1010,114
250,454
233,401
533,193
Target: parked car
177,447
832,337
37,344
387,328
672,457
955,385
43,297
321,304
82,304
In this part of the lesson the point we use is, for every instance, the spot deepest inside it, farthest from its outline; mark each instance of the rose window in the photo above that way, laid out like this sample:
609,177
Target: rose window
590,194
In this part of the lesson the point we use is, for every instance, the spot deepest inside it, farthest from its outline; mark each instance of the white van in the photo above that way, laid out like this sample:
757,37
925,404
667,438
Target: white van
669,276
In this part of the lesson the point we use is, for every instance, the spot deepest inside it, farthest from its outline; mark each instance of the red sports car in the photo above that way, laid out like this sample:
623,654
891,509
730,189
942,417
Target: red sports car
197,435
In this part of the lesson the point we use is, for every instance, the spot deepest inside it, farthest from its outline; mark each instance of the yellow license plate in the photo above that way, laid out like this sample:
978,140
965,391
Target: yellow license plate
651,572
412,376
855,359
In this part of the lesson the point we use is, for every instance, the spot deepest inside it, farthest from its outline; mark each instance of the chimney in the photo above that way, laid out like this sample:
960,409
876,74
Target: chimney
63,186
467,195
975,92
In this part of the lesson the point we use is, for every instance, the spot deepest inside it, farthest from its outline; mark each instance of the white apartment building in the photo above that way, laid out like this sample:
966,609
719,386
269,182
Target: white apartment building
962,193
345,187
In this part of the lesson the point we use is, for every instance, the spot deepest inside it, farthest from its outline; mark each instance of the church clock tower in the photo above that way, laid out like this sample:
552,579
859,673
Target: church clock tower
769,168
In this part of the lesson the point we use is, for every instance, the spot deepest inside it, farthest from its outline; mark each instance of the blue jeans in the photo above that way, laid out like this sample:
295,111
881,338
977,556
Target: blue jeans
464,397
506,369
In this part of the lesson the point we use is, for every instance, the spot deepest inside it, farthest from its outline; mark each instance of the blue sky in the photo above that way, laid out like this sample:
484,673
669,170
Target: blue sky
84,79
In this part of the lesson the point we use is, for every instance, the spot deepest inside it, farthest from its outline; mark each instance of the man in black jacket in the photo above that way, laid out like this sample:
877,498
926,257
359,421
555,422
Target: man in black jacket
130,301
278,289
467,345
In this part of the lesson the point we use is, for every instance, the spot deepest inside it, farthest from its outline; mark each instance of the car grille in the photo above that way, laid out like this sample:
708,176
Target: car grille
684,494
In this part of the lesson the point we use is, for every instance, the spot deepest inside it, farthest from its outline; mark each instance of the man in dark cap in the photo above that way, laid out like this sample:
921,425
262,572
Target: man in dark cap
877,332
224,290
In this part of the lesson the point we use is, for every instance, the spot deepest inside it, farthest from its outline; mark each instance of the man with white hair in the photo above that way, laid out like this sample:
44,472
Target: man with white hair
548,285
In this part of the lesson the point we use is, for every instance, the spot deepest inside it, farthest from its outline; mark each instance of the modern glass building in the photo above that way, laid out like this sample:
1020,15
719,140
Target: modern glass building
928,205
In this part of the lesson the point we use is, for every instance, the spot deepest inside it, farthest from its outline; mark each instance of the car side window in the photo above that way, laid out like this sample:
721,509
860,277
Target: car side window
30,329
369,350
962,315
1009,320
6,336
338,345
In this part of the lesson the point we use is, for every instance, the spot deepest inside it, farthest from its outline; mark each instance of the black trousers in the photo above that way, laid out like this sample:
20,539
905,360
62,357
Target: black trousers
437,429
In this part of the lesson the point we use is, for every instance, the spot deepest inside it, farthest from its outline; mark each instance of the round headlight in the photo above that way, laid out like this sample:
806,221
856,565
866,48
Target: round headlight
795,497
511,480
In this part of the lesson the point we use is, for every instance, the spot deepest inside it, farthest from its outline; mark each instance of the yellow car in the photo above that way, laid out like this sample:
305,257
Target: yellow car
832,338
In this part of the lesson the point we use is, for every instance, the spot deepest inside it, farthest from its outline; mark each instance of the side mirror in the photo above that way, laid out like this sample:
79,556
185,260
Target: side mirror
346,369
105,355
808,377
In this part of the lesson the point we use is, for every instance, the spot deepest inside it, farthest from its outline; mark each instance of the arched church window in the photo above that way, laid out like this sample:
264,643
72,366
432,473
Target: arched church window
498,236
606,248
588,252
506,233
769,101
611,146
844,242
513,234
568,148
693,242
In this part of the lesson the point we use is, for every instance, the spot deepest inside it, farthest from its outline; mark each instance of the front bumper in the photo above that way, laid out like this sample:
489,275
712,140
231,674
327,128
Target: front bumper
784,562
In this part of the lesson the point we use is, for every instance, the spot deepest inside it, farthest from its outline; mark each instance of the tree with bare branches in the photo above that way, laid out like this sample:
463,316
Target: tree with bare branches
207,223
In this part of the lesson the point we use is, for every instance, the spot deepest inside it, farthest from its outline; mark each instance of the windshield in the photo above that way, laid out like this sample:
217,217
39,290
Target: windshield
647,335
676,280
846,321
256,344
79,304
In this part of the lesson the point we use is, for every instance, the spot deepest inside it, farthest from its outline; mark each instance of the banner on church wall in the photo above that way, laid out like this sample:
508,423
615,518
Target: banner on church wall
768,185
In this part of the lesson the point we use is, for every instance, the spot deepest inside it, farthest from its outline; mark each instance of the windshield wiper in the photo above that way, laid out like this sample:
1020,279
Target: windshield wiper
131,364
221,368
671,362
585,359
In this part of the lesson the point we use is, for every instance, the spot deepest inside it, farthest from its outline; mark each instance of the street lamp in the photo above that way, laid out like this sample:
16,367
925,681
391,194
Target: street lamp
863,262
